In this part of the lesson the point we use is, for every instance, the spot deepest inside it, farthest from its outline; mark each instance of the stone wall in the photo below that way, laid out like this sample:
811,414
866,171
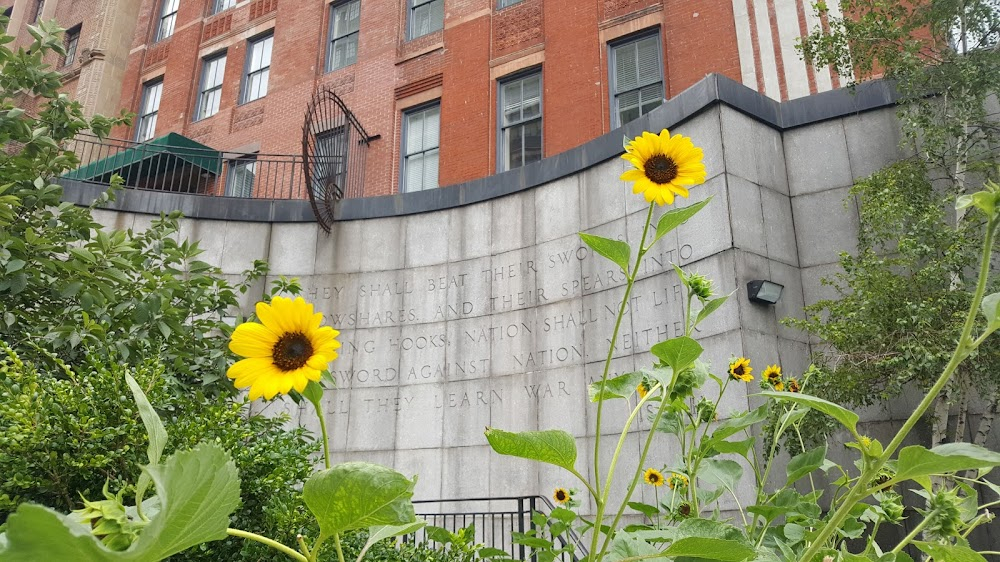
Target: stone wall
495,314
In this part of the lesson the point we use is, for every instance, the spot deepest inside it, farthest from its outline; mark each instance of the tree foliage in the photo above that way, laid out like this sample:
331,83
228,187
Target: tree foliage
899,304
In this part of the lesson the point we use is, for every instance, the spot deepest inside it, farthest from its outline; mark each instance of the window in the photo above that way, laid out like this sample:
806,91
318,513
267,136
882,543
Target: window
345,21
222,5
520,121
168,17
421,136
239,181
146,125
211,86
329,167
504,3
9,11
426,16
38,11
258,69
636,79
72,40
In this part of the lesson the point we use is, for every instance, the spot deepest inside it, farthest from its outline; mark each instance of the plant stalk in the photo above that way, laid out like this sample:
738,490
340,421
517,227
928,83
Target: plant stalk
271,543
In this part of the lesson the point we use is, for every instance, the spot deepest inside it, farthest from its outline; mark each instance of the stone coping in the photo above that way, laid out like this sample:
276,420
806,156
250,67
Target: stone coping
711,90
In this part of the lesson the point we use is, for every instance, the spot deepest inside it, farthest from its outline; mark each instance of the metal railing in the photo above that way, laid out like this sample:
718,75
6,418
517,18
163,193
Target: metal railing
496,520
193,170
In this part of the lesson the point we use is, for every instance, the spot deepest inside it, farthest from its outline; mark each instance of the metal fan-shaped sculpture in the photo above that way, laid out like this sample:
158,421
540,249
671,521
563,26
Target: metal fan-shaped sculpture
334,145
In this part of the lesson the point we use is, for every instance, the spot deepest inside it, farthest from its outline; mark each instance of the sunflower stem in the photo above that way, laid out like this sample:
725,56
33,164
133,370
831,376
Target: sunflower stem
271,543
322,427
599,517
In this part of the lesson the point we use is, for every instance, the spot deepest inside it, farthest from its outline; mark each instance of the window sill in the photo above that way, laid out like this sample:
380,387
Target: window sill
420,46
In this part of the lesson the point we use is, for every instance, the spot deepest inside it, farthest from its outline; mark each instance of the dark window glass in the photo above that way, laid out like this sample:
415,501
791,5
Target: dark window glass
72,42
168,18
637,78
210,94
520,121
345,24
239,181
421,139
258,69
145,126
426,16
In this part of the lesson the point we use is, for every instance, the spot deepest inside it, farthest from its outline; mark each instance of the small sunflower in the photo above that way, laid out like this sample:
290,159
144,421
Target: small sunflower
286,350
642,389
793,385
772,375
779,386
653,477
866,441
561,495
677,481
664,165
741,370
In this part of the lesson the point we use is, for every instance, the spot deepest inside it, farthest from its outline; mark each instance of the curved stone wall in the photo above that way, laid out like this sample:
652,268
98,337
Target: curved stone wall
487,310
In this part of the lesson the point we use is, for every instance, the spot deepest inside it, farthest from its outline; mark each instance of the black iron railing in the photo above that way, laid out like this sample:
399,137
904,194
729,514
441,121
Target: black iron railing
495,520
185,167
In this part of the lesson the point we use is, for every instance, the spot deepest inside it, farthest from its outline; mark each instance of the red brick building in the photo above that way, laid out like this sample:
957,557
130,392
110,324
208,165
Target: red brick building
453,90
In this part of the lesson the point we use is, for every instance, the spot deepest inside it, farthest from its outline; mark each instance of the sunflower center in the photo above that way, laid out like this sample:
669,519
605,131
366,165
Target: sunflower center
660,169
738,370
292,351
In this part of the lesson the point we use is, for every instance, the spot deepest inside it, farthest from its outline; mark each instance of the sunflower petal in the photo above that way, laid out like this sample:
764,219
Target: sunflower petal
251,339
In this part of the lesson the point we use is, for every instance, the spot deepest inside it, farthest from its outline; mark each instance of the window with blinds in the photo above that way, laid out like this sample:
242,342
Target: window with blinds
345,24
426,16
636,78
421,136
258,69
168,19
145,125
210,96
239,181
520,121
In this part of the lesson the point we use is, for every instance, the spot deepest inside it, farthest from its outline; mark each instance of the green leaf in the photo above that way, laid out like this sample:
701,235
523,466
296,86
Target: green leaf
438,534
990,307
741,448
710,307
645,508
722,473
199,489
381,532
563,514
552,446
734,425
628,545
154,429
676,217
314,394
355,495
951,553
916,461
804,463
619,387
14,265
615,250
679,353
719,550
846,417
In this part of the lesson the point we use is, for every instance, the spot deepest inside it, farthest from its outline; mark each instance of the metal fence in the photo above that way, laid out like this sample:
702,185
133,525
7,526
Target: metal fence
496,520
191,169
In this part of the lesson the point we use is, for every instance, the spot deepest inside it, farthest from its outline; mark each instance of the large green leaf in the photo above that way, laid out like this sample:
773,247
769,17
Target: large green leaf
628,545
720,550
950,553
676,217
615,250
722,473
154,429
619,387
916,461
355,495
552,446
804,463
198,489
732,426
846,417
679,353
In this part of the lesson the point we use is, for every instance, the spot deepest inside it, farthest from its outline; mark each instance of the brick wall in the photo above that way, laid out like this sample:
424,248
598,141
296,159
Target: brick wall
458,65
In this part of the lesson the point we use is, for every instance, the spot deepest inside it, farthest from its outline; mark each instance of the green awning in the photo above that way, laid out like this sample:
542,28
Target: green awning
154,158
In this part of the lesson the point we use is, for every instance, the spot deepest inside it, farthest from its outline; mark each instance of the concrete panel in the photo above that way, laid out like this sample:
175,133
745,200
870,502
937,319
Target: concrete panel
825,226
513,223
709,231
382,244
427,239
293,248
817,158
779,227
747,216
873,141
557,209
470,231
603,193
244,243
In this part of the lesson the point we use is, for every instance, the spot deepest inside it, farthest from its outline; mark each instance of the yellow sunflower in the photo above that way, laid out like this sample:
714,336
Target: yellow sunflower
772,374
793,385
286,350
677,481
653,477
642,389
741,370
664,165
561,495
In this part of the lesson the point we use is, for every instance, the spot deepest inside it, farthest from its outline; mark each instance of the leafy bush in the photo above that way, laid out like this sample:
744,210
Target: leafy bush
63,435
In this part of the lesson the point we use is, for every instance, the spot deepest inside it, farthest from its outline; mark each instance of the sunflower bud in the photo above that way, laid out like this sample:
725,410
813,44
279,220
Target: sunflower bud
706,410
109,522
700,286
892,504
944,512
